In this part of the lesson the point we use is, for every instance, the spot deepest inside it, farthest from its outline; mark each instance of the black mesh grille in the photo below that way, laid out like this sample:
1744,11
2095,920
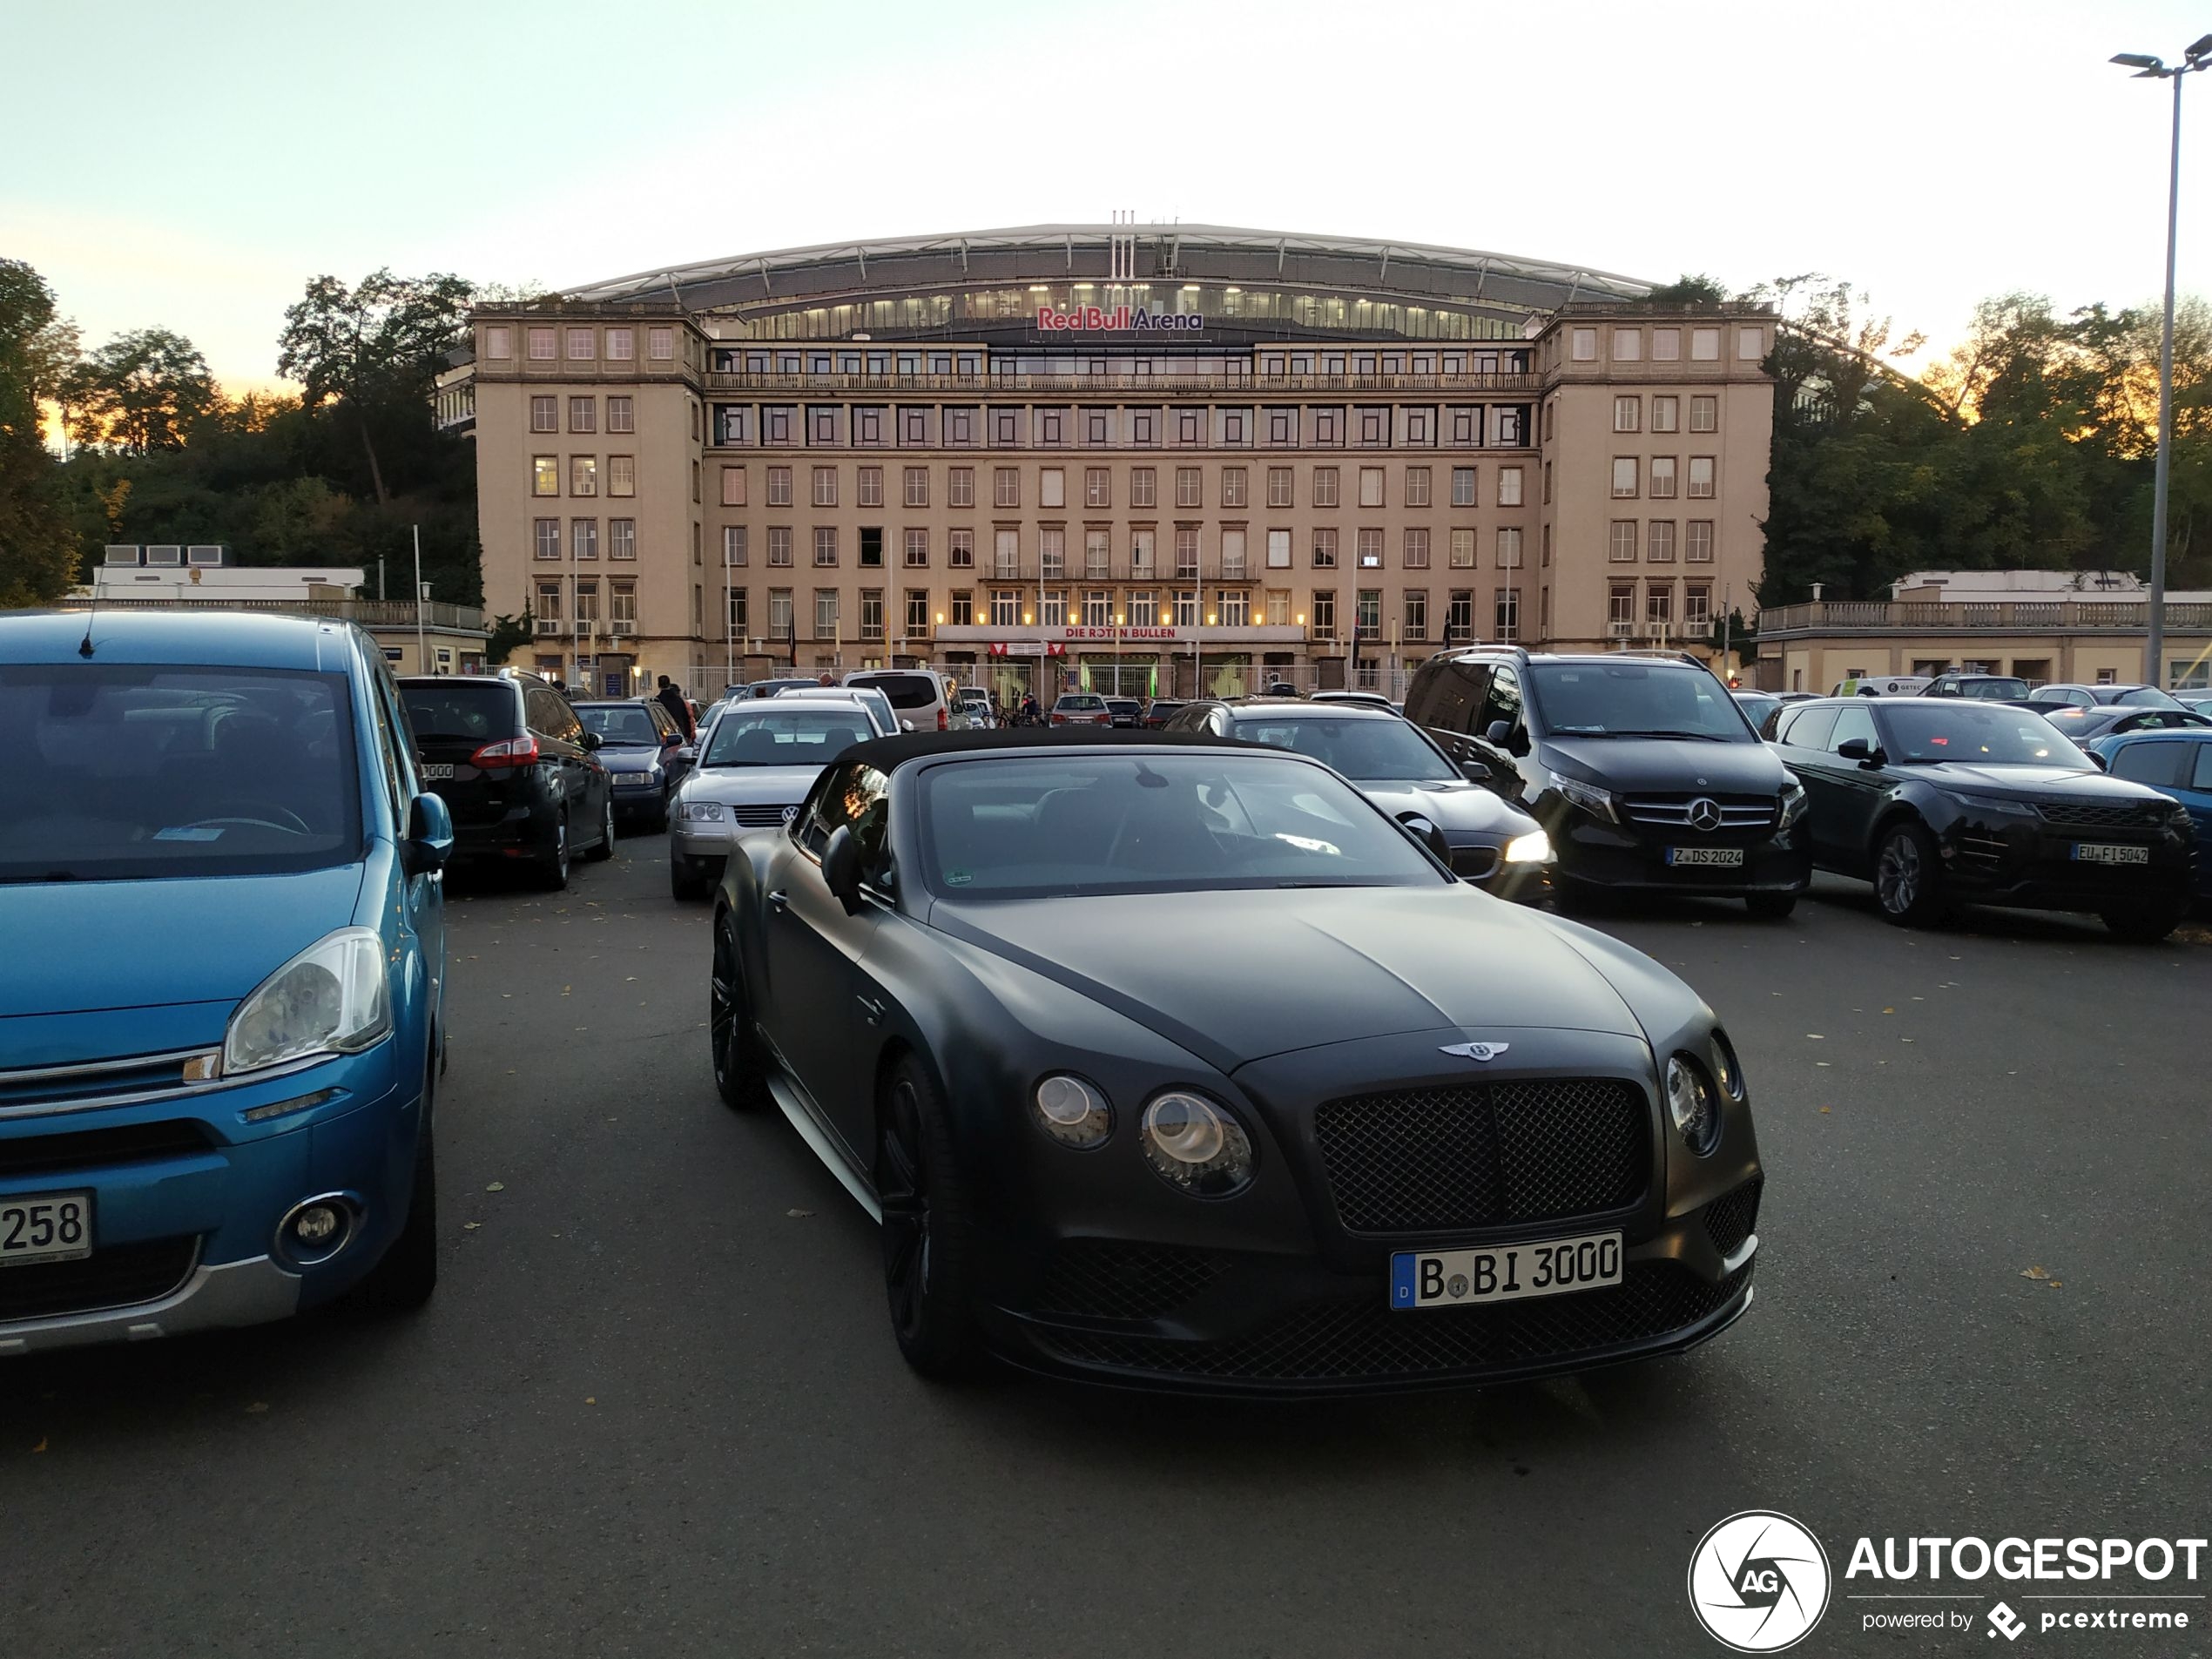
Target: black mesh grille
80,1149
1730,1217
115,1276
1474,863
2126,815
1102,1279
1474,1154
1342,1341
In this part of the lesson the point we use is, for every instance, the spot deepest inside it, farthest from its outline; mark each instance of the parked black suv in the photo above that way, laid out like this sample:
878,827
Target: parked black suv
514,767
1642,769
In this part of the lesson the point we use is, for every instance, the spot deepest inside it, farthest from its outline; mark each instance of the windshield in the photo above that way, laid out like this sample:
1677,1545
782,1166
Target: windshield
1995,690
1362,750
480,711
123,771
1935,731
2149,696
1633,699
625,724
904,690
785,736
1025,827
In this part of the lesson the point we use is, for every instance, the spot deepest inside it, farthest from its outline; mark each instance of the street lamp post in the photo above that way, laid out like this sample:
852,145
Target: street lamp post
2196,57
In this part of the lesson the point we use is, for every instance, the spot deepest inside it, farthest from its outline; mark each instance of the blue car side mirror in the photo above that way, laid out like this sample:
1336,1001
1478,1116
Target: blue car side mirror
429,836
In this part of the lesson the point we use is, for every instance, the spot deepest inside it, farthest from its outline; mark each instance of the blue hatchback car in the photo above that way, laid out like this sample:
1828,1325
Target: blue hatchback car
2175,761
221,1006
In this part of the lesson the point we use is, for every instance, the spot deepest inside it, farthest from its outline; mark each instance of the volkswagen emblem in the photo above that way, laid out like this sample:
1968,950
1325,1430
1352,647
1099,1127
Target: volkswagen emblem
1483,1051
790,812
1704,813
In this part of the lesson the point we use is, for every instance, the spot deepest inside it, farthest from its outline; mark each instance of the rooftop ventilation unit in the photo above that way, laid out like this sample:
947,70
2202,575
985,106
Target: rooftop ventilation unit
117,553
207,553
168,553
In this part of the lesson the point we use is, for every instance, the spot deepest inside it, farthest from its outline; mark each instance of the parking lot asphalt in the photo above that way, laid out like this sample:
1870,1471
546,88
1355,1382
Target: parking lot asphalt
655,1408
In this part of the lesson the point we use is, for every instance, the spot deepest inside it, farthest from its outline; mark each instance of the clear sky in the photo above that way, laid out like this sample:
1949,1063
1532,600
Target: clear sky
194,165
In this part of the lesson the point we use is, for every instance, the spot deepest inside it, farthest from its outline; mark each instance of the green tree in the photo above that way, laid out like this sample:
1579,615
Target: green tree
372,347
37,554
138,393
1688,290
508,635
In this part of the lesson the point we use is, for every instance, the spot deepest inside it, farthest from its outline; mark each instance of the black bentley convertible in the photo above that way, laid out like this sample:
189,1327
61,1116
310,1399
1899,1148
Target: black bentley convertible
1177,1061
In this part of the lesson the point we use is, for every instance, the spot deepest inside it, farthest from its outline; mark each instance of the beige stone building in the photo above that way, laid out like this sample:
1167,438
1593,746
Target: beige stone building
1154,457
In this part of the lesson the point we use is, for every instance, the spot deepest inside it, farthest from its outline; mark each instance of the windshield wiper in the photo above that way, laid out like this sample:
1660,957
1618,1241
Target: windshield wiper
1697,737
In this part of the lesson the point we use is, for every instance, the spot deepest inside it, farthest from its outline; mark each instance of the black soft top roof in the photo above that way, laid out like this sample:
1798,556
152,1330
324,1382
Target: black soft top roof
887,753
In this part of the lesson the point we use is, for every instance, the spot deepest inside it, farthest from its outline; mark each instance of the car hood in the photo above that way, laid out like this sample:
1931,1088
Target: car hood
636,754
1233,977
1672,764
2039,782
750,786
150,944
1454,805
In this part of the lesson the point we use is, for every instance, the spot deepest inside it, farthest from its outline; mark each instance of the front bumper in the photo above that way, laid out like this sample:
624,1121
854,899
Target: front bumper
253,1292
1590,851
2032,865
634,793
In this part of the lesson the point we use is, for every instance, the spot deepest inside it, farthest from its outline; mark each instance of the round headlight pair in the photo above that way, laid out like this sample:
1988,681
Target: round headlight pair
1071,1111
1692,1104
1196,1146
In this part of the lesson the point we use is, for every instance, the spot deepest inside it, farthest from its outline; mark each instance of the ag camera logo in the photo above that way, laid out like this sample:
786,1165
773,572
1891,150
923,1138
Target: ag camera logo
1758,1581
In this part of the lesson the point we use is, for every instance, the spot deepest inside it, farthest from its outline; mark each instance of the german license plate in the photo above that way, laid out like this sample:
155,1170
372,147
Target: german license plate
437,771
45,1227
2096,853
1443,1278
1722,855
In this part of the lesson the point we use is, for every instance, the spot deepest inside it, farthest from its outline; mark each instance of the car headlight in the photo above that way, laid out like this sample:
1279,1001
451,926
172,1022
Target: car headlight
700,811
1535,848
1690,1102
1071,1111
1196,1146
1794,800
329,998
1728,1069
1588,797
1998,807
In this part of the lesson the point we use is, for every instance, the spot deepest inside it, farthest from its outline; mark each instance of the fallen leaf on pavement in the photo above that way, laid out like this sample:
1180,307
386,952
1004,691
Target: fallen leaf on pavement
2033,1272
801,1213
258,1405
497,1186
41,1446
1824,1109
470,1226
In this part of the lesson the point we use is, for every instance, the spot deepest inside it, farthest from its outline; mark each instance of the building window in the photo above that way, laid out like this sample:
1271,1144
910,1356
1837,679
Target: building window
1187,491
1696,608
498,341
660,344
1233,555
1511,427
542,346
1143,428
1052,487
963,608
1620,607
1186,607
1628,348
1006,487
1325,614
1548,547
1547,483
733,546
1052,552
1140,554
868,427
545,415
1416,486
959,426
871,487
825,544
779,486
1508,547
1703,414
1328,426
821,427
1701,477
740,621
1704,345
1416,614
960,549
917,612
779,544
1278,487
695,481
622,602
1325,549
1371,549
1282,427
1508,614
545,538
1659,541
1143,487
775,427
1463,487
1188,427
1621,546
913,427
1006,553
584,414
960,487
1697,543
1233,487
1374,427
1662,477
1417,426
1006,607
622,475
824,486
1415,548
1584,346
584,475
780,613
825,613
1096,428
1659,604
1751,345
1098,608
1665,412
1048,424
1625,476
1052,611
1462,549
1097,553
917,555
1371,486
1235,609
580,346
1186,552
622,539
871,613
1627,413
1232,428
1368,619
1509,485
1278,550
583,537
549,602
545,475
1325,486
733,486
1666,347
622,345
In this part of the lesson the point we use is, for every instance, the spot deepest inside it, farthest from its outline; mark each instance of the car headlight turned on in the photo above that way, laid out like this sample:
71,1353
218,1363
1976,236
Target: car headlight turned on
1691,1104
330,999
700,811
1196,1146
1588,797
1071,1111
1729,1071
1535,848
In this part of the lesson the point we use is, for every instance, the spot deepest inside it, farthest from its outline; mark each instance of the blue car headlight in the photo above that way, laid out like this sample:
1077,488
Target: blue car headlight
331,998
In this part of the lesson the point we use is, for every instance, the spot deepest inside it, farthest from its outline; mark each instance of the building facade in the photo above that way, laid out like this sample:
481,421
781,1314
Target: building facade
1101,454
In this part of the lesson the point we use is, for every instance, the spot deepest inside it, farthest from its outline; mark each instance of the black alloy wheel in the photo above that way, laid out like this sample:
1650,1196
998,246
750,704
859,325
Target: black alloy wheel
553,862
927,1231
729,1026
1908,886
604,848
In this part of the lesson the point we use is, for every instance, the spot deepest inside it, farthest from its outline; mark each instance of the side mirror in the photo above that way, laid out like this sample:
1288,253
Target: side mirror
1425,830
591,740
1498,732
1859,749
686,753
841,868
1475,771
429,836
905,724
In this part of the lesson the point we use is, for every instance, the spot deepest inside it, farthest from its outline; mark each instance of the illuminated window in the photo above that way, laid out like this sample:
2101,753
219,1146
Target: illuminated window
584,475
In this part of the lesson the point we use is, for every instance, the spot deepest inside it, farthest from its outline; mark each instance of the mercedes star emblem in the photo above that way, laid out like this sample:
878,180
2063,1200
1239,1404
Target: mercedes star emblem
1704,814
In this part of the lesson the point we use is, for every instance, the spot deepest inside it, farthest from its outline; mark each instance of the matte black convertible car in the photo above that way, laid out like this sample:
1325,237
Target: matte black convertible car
1177,1061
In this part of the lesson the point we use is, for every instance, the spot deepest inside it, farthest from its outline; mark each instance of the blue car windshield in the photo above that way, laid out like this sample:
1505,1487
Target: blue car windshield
122,772
1036,826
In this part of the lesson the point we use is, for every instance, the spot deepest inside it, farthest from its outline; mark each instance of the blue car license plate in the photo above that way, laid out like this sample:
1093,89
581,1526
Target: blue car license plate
1440,1278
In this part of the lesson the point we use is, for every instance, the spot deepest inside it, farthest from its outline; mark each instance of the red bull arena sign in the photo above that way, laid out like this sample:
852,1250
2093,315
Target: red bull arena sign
1125,319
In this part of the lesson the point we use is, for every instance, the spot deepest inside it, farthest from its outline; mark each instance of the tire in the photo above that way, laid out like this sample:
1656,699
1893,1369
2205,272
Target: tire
1772,907
553,863
738,1073
2144,926
408,1273
604,848
1908,886
929,1228
684,883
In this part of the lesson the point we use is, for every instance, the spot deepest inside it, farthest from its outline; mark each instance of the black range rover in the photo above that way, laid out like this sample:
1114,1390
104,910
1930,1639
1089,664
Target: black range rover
1642,768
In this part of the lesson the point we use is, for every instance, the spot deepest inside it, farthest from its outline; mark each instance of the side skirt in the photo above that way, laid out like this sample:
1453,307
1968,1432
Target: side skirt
795,1107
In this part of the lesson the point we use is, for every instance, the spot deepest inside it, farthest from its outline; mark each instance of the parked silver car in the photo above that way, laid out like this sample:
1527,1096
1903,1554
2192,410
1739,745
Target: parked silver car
760,760
877,705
